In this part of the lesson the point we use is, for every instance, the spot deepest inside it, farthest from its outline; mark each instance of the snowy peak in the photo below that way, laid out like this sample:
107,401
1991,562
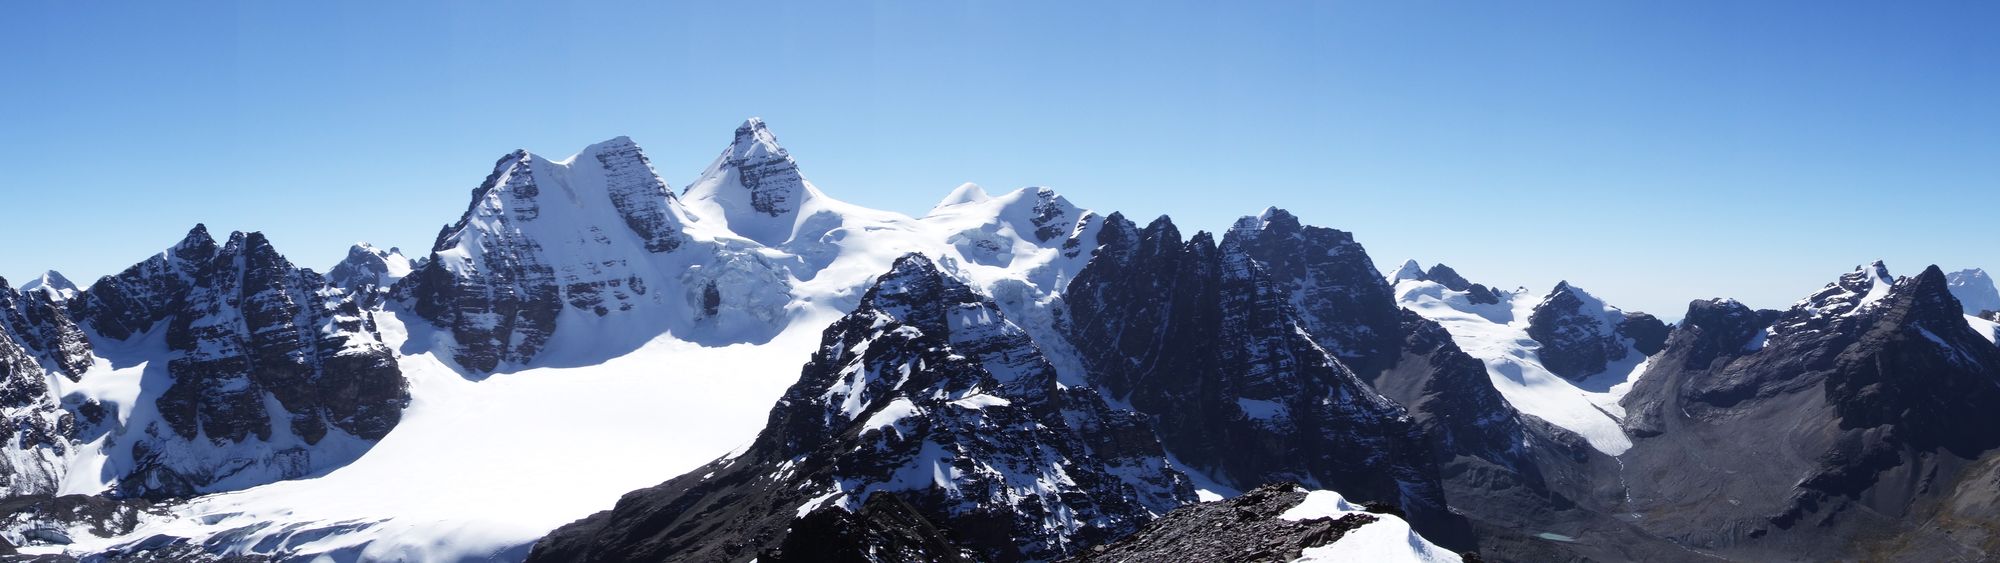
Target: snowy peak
964,194
1581,335
53,283
754,187
1410,270
1975,291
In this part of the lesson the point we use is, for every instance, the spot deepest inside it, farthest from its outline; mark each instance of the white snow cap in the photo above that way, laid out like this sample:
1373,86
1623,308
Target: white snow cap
1387,539
965,193
1410,270
52,281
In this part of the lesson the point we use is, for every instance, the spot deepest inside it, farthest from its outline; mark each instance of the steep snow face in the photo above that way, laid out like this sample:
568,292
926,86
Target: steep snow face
1975,290
1410,270
1498,334
721,329
1388,539
1985,327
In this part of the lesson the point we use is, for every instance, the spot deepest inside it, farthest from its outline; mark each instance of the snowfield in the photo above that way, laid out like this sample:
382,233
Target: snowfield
1497,334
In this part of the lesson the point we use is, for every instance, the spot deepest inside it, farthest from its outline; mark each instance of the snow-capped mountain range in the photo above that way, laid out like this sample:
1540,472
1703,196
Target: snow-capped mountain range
589,365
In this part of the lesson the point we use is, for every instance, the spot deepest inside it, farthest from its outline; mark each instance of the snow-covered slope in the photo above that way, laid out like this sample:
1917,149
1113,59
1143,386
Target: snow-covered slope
1388,539
1498,334
597,381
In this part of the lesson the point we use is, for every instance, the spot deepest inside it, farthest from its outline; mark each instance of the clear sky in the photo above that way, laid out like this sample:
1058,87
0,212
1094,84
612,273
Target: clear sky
1649,152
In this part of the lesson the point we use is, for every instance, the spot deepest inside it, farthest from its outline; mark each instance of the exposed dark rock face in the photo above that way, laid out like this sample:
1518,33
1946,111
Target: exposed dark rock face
35,431
244,325
1202,338
884,530
1242,529
368,269
925,391
600,234
41,519
1450,278
138,298
1647,333
642,199
1574,344
39,322
773,179
505,308
1834,433
1334,287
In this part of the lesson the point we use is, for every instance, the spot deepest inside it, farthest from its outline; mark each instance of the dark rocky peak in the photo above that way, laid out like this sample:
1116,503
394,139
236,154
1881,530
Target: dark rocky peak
41,324
1647,332
1331,283
1447,277
1203,338
1478,294
1276,522
133,301
367,268
1827,420
754,187
1579,334
245,327
884,530
925,392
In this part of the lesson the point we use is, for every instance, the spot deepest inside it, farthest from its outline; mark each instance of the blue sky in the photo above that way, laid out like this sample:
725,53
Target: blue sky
1650,152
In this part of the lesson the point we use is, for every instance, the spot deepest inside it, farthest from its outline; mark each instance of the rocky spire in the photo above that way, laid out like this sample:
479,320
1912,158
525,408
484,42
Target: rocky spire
754,187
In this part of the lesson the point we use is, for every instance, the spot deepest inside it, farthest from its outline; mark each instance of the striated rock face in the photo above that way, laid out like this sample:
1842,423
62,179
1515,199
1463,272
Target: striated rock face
138,298
258,353
597,236
754,187
486,280
925,391
38,318
1333,286
1847,418
35,431
1202,338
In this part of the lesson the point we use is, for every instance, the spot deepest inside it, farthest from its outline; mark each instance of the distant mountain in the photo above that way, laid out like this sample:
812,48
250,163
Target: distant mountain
1010,377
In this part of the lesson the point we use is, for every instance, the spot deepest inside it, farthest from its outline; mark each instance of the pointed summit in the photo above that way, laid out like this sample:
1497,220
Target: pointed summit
754,187
1410,270
53,283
